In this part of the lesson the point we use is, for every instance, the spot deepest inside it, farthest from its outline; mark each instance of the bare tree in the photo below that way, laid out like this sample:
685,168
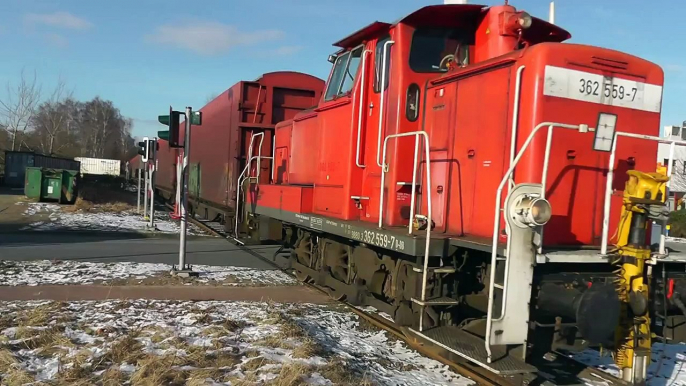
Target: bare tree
18,108
52,118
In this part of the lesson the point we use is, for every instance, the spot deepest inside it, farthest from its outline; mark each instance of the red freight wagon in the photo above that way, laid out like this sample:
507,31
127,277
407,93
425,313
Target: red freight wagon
220,146
165,176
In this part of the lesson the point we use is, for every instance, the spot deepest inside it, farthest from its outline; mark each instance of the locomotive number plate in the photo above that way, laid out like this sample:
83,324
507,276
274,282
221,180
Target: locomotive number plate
606,90
383,240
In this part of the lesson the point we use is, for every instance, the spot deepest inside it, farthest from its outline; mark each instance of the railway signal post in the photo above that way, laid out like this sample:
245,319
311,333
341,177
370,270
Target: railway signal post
172,120
143,150
152,154
138,199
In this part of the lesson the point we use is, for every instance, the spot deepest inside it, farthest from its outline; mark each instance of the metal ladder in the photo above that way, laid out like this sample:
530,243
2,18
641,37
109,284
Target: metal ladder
423,302
245,174
511,328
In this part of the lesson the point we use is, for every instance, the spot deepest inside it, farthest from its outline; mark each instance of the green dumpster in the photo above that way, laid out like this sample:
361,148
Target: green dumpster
44,184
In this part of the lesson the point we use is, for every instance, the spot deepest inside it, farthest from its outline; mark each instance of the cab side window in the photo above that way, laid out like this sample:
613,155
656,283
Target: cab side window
344,72
378,63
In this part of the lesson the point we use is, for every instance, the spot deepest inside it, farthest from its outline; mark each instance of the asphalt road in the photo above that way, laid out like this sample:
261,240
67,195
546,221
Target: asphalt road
110,247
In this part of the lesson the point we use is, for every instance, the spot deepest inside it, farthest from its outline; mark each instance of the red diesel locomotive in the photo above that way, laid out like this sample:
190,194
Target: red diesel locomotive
464,171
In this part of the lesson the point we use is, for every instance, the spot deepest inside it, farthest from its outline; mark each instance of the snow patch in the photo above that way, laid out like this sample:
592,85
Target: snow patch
46,272
101,221
96,325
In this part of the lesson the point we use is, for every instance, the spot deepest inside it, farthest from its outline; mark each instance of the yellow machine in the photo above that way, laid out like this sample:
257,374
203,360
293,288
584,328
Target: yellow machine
644,199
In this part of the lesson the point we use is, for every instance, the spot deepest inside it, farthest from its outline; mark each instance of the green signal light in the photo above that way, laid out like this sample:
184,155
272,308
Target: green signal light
196,118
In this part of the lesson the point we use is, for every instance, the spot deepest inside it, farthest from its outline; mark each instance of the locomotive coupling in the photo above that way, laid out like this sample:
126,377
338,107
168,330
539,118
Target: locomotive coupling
644,196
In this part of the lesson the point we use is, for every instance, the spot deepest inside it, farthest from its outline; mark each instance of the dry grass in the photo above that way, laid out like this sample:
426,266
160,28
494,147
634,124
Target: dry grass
41,315
199,377
275,341
339,373
290,375
44,339
156,370
6,321
199,357
308,348
7,359
127,349
234,325
256,363
250,379
78,369
15,376
112,377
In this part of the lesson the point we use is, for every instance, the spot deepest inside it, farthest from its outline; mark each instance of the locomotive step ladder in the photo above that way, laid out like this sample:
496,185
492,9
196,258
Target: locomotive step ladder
422,301
246,176
451,338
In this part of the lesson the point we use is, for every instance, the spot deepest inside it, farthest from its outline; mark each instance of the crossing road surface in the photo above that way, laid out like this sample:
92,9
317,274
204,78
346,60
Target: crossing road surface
112,247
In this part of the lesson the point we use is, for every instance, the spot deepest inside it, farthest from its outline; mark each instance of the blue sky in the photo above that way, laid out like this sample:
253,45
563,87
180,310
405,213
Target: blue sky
147,54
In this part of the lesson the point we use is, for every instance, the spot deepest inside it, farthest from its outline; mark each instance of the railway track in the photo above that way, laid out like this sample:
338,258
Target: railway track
554,368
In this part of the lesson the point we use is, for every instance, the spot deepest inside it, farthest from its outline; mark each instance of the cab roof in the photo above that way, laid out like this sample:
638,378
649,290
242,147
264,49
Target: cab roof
445,15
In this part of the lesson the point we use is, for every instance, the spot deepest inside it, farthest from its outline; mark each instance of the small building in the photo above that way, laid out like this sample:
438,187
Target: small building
16,163
677,185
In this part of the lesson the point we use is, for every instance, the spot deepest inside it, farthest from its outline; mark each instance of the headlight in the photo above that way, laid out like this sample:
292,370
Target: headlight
530,210
540,211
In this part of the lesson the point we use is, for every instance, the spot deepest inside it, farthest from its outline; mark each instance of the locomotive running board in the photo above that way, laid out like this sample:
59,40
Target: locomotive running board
395,239
470,347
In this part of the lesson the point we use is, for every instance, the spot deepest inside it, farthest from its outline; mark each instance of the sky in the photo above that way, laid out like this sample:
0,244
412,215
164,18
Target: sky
146,55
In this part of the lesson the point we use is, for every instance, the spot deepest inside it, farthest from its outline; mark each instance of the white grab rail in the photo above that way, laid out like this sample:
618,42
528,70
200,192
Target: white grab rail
382,89
496,221
515,118
384,170
241,178
361,107
610,177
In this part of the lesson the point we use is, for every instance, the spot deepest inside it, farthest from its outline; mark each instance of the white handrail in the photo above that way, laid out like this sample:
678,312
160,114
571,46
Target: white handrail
515,118
362,109
610,178
259,151
496,224
247,166
384,170
273,156
382,97
241,180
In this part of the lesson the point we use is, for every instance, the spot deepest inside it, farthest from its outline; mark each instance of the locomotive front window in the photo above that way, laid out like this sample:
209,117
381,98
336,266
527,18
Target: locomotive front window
351,71
337,76
433,48
344,72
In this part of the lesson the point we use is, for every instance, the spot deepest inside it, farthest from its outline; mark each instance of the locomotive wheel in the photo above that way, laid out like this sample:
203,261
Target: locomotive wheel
335,258
304,250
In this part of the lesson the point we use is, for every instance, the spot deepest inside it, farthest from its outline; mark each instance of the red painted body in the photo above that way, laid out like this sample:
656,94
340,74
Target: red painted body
468,114
220,146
